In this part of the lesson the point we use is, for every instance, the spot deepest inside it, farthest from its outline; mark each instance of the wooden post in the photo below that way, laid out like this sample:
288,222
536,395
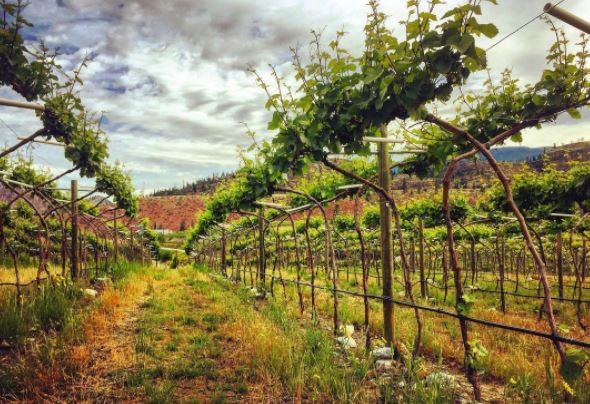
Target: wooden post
386,241
261,250
116,239
74,246
500,248
423,291
223,245
473,262
142,252
559,263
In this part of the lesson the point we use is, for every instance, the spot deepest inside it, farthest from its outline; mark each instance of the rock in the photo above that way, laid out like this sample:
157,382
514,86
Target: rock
89,292
383,365
346,342
4,345
382,353
440,379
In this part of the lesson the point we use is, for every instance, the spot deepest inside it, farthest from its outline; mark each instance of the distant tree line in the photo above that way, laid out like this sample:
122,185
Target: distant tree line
200,186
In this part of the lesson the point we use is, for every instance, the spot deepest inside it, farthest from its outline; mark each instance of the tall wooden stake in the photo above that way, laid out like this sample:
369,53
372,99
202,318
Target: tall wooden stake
116,240
386,242
559,259
223,247
261,250
423,291
74,246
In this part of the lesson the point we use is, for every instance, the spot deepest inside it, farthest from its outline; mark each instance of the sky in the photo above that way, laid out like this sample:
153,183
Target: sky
170,76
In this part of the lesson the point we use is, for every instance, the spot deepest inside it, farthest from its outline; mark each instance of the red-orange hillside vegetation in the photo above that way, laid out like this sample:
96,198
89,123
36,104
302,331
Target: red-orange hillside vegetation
171,212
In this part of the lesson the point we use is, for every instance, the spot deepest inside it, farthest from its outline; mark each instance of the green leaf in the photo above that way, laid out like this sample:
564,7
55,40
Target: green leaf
573,366
465,43
465,303
489,30
384,86
538,100
574,113
373,73
275,122
443,62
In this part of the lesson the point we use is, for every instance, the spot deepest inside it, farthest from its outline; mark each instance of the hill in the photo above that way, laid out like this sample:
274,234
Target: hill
200,186
517,153
171,212
178,212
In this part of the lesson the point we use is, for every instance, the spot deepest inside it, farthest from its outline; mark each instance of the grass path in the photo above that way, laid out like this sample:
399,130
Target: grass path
176,344
185,337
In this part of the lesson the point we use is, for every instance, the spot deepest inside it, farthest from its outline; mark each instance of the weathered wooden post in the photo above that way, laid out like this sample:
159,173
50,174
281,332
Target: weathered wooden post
74,247
223,247
116,239
423,291
386,240
261,250
559,263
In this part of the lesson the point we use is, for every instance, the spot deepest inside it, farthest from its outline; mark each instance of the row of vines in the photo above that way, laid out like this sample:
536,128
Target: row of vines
61,233
454,256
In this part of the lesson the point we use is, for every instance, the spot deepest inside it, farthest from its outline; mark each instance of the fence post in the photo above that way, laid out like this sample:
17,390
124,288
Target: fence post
559,259
223,246
386,241
74,246
261,250
116,239
423,291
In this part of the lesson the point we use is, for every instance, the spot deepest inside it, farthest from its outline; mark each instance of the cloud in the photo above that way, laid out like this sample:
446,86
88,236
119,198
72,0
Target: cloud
171,79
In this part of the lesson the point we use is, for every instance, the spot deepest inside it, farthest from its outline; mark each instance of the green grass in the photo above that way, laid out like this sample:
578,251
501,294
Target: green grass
49,309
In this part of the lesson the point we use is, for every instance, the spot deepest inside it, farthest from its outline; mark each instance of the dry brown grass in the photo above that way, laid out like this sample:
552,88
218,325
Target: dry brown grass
27,274
71,365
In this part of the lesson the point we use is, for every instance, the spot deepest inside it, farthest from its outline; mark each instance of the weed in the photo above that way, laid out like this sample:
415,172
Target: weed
199,341
159,393
213,321
143,343
186,319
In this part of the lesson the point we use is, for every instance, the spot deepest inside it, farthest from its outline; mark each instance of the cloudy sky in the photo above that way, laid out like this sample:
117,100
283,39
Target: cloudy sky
171,79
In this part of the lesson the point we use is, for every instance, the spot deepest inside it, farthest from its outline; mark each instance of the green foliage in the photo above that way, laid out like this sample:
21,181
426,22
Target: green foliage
344,222
540,194
465,304
371,217
573,366
50,309
477,354
431,212
35,75
27,72
502,106
342,98
113,181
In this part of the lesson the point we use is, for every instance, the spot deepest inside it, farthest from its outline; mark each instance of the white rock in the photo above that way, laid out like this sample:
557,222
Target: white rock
382,353
346,342
383,364
89,292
